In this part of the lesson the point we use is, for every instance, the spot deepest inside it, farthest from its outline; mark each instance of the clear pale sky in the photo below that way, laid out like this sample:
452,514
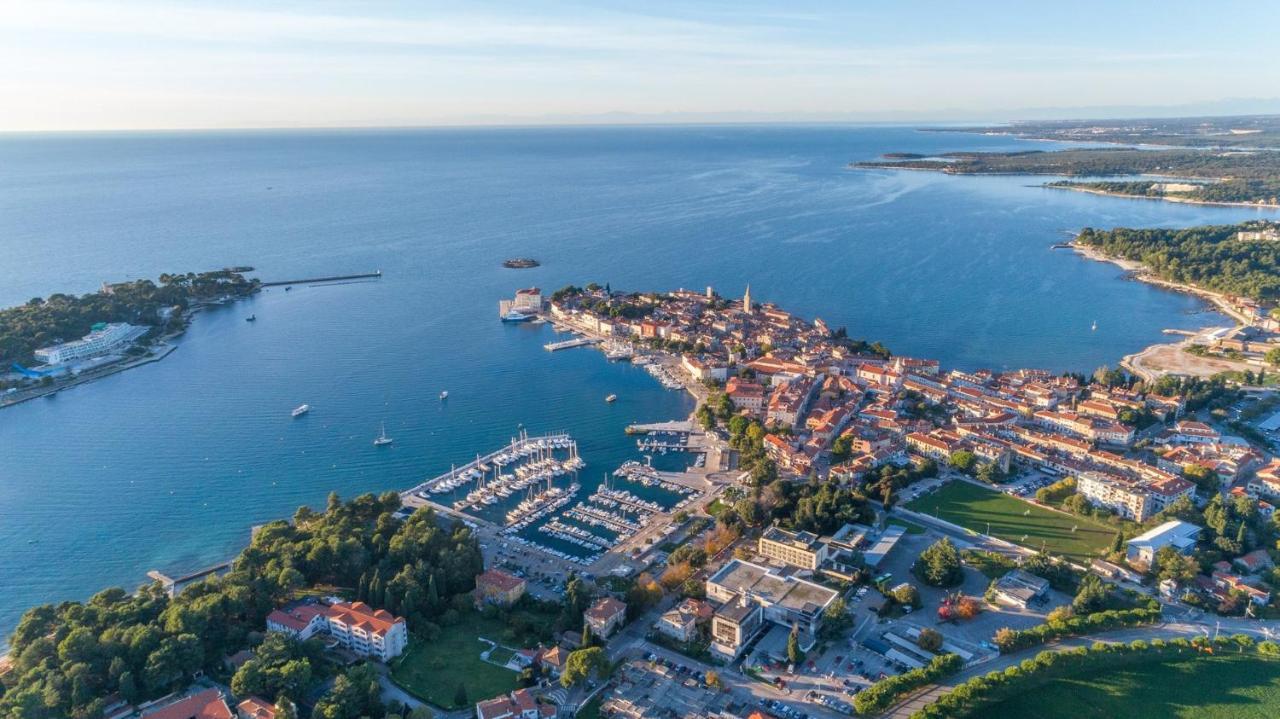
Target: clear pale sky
114,64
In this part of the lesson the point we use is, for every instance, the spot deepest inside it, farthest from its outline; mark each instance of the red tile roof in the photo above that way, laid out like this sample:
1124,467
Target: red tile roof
359,614
605,608
207,704
500,581
256,708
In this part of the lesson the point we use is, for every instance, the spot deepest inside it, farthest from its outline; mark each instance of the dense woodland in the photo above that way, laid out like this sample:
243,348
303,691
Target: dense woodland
1244,177
68,657
61,317
1209,257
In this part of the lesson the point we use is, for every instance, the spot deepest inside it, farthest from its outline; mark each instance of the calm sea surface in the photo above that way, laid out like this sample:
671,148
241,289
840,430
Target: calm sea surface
168,466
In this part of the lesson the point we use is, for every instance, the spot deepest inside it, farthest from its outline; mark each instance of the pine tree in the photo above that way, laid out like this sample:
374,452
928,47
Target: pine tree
433,595
1117,544
1240,536
460,696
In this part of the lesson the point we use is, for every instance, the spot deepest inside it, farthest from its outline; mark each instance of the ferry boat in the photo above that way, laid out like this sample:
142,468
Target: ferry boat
611,398
382,439
300,410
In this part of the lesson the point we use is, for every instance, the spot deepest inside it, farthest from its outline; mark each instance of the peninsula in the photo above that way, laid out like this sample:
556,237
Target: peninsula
52,343
1235,161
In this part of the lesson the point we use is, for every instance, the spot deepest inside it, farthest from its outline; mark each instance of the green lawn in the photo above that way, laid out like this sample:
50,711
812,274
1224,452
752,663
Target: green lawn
433,670
1014,520
1222,687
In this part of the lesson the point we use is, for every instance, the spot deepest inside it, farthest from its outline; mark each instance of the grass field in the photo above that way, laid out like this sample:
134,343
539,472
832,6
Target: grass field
1014,520
433,670
1222,687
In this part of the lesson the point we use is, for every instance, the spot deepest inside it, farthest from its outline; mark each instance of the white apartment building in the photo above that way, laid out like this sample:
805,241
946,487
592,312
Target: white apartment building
103,339
366,631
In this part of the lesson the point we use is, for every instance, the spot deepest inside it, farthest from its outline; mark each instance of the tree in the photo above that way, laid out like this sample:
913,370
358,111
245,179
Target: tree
907,595
795,655
1205,478
939,565
460,695
1170,564
581,664
1273,355
1091,597
963,460
714,681
929,640
285,709
1077,504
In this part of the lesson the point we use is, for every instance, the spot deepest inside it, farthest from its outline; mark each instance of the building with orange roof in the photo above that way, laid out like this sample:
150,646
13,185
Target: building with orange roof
499,588
207,704
605,615
364,630
255,708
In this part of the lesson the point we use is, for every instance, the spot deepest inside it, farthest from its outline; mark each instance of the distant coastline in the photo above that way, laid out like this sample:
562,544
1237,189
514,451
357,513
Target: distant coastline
1162,198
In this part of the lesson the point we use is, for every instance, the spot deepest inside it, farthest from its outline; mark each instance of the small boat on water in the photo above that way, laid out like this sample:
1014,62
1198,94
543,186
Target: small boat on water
300,410
382,440
1095,325
288,288
251,318
611,398
444,395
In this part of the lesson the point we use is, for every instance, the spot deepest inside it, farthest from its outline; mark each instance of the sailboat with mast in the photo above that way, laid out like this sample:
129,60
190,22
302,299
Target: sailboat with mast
382,439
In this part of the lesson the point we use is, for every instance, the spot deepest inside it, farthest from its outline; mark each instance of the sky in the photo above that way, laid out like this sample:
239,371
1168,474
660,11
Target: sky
159,64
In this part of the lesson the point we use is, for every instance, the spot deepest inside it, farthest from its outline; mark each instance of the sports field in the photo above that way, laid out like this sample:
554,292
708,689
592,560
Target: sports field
1017,521
1222,687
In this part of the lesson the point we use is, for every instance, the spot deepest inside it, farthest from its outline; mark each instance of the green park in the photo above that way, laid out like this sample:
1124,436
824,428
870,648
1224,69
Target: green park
1014,520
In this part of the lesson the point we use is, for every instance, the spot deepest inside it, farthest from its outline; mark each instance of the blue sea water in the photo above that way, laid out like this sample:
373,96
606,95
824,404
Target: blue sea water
169,465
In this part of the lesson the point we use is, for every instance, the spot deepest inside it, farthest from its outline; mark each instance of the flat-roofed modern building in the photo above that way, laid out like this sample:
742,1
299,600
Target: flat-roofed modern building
788,601
798,549
1141,550
103,339
733,625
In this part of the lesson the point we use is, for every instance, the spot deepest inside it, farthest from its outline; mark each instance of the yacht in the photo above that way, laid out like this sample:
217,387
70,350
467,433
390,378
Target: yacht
301,410
383,439
611,398
251,318
516,316
444,395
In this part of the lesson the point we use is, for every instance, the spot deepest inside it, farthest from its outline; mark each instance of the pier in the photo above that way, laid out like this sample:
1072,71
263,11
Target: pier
335,278
570,344
561,439
685,426
174,585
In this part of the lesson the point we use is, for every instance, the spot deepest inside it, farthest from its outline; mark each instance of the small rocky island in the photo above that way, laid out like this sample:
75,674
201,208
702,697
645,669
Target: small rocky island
520,263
